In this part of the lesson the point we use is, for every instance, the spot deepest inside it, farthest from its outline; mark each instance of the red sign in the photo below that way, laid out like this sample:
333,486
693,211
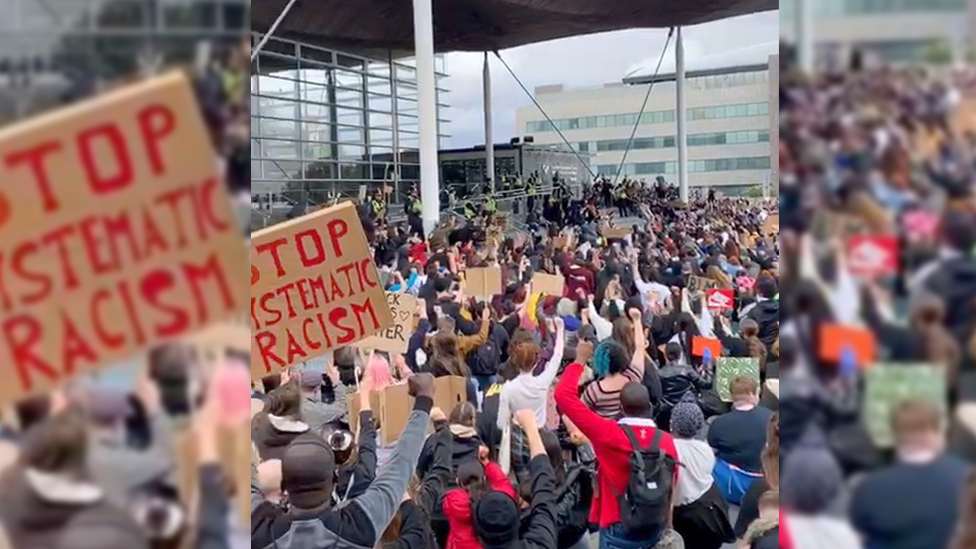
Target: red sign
872,255
314,287
720,300
122,237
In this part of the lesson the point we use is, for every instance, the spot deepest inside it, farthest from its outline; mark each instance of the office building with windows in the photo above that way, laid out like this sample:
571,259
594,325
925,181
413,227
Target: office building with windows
898,31
326,122
48,46
728,104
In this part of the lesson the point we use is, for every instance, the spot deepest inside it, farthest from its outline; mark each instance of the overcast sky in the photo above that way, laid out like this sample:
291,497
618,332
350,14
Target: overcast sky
580,61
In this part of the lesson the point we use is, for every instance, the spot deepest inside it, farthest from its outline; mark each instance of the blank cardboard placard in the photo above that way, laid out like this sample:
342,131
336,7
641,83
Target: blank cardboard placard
123,232
315,288
835,338
396,404
616,233
701,284
483,282
727,369
771,225
353,404
395,338
699,344
548,284
888,385
563,241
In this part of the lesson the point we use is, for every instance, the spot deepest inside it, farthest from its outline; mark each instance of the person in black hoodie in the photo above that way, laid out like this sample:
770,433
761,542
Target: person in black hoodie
273,429
484,361
953,277
411,526
48,489
677,380
574,494
496,516
465,441
766,310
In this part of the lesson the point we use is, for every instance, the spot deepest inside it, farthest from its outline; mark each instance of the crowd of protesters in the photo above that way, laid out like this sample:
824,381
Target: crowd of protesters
883,153
591,418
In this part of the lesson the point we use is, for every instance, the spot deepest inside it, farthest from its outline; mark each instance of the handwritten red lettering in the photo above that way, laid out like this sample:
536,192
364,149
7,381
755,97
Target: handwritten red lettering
105,179
156,122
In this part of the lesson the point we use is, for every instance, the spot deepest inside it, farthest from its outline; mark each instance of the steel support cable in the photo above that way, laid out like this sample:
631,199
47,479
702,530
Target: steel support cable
650,87
274,27
544,113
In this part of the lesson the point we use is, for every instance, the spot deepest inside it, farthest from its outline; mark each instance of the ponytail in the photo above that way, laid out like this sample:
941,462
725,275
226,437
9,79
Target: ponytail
750,334
471,479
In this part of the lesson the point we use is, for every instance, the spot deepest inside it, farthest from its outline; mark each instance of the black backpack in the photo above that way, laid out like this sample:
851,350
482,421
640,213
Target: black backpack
644,505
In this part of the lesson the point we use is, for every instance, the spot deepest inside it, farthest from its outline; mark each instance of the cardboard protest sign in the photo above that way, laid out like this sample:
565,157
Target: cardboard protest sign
483,282
835,338
563,241
887,385
314,287
352,403
727,369
720,300
548,284
699,344
619,233
395,404
116,234
396,338
771,225
872,256
700,284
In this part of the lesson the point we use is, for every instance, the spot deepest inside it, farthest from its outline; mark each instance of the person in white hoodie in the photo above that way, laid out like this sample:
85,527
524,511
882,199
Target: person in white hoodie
811,482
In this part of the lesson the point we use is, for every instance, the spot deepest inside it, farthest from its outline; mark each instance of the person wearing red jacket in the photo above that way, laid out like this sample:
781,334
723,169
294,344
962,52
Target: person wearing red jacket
611,445
475,478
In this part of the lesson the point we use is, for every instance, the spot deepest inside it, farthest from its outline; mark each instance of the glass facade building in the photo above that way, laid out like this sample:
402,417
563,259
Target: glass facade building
47,46
327,122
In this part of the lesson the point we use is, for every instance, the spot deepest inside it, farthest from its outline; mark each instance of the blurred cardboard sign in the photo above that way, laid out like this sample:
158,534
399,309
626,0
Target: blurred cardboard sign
355,408
619,233
395,338
888,385
699,344
872,256
483,282
720,300
563,241
771,225
314,287
233,336
234,451
827,224
964,117
835,338
123,235
727,369
395,404
700,284
548,284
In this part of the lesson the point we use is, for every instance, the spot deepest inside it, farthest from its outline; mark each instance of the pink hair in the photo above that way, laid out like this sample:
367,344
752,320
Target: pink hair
379,369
